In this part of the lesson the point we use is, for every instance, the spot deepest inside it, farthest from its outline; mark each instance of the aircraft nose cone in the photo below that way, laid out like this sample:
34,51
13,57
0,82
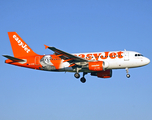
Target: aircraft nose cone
147,61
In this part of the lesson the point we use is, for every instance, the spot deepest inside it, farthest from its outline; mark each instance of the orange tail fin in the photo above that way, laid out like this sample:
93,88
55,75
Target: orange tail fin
19,47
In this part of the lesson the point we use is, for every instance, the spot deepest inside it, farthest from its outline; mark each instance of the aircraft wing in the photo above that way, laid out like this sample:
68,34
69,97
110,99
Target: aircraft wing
66,56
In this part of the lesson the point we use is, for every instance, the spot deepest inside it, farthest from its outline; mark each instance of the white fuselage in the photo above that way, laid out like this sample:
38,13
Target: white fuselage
113,60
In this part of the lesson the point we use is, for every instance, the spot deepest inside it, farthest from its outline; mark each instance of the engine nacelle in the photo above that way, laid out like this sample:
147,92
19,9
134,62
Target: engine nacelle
103,74
98,65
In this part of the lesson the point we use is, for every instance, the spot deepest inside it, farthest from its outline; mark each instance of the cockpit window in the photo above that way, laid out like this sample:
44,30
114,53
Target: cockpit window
138,55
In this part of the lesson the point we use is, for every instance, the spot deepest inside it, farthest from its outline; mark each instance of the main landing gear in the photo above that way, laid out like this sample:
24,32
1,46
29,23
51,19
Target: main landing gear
77,75
128,75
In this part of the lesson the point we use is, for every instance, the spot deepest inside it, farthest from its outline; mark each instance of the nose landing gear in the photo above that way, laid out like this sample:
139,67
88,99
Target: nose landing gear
128,75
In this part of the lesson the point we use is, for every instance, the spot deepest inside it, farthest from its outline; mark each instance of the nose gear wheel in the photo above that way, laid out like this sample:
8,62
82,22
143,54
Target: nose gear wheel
128,75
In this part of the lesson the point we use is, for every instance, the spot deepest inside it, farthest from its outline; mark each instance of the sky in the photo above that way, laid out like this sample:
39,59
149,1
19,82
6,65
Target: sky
76,26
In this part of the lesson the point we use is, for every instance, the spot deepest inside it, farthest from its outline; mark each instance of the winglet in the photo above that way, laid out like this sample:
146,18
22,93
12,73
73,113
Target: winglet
46,46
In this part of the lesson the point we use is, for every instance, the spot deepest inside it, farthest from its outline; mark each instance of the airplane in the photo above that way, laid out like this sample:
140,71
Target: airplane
99,64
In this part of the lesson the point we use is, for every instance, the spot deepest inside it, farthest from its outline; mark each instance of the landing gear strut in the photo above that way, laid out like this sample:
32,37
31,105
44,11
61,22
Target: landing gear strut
77,75
128,75
83,80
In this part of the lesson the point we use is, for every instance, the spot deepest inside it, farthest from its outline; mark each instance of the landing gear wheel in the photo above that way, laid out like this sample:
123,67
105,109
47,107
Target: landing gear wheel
127,70
128,76
77,75
83,80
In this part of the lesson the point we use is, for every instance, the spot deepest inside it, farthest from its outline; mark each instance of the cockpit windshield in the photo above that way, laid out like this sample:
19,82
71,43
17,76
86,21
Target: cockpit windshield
138,55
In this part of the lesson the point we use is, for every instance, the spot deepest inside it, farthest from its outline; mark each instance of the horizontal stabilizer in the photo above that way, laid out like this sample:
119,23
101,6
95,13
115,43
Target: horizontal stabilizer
13,58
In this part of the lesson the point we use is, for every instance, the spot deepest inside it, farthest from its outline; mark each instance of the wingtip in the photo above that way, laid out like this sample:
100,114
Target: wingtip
46,46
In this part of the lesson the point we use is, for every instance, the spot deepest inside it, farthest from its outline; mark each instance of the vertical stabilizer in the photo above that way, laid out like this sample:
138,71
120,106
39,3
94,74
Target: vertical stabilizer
19,47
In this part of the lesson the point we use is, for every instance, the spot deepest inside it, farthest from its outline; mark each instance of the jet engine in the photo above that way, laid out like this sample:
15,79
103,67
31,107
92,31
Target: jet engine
98,65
